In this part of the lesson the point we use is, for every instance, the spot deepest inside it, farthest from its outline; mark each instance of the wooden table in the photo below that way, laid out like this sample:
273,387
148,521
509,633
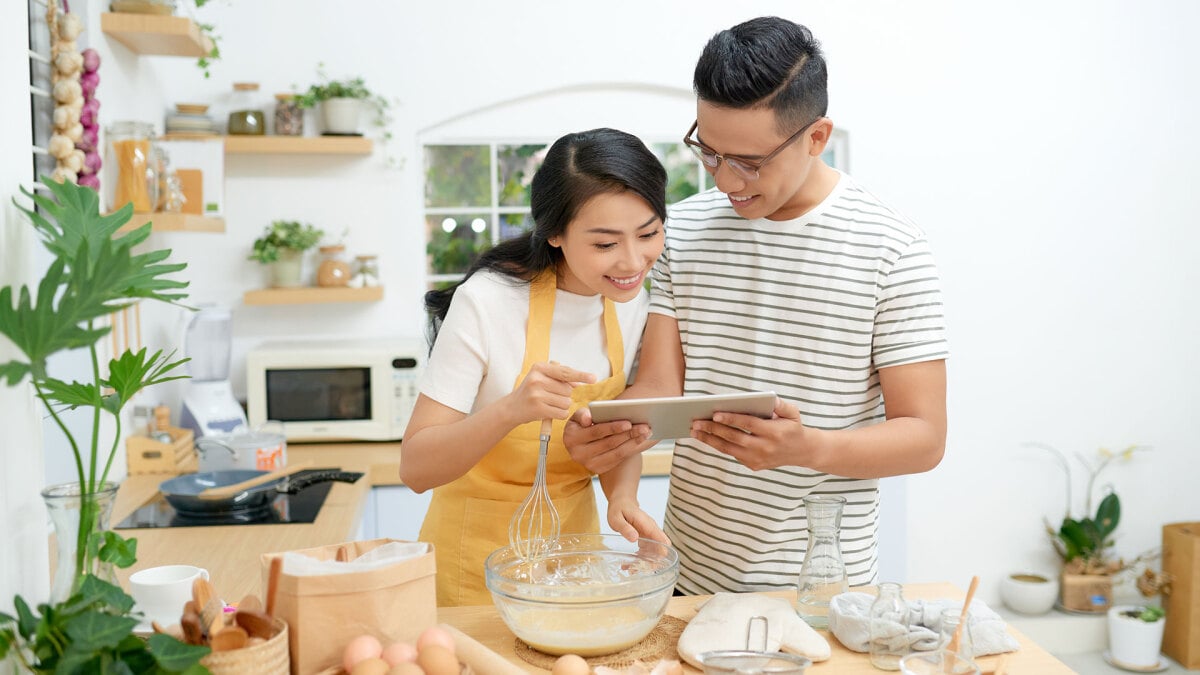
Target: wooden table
484,624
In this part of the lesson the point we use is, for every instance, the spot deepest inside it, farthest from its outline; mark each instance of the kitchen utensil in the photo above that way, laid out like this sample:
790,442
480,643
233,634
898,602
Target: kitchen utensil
189,622
476,656
234,489
182,492
263,449
952,646
273,584
212,617
744,662
586,594
256,623
536,520
228,638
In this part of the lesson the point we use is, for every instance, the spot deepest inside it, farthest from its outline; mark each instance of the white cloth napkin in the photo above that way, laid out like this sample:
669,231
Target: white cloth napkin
850,623
300,565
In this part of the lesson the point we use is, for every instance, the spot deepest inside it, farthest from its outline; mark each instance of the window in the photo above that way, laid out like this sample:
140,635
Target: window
477,195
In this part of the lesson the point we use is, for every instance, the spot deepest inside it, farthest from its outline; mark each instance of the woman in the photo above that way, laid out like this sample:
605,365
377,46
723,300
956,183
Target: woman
540,325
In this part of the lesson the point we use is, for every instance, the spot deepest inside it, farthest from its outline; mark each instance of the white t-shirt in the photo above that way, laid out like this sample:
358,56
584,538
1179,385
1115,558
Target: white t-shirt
809,308
481,345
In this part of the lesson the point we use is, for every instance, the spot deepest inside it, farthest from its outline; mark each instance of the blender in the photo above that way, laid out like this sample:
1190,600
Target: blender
209,407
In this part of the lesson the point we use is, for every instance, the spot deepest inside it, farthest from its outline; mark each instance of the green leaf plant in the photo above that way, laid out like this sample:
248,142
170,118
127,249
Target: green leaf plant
93,273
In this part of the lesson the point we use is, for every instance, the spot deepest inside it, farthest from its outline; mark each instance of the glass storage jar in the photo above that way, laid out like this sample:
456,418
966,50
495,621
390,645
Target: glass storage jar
289,118
368,271
246,117
130,179
889,620
333,270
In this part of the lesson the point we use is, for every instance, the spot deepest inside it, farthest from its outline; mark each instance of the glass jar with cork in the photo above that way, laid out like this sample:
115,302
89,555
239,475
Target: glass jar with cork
246,117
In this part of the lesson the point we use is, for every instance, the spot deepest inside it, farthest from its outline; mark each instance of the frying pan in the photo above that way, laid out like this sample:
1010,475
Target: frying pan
182,491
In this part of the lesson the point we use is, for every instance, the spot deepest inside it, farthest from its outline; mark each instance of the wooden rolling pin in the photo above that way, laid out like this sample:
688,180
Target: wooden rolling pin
478,657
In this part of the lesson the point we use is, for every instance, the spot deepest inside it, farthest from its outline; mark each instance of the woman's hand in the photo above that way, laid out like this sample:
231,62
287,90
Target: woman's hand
628,519
546,392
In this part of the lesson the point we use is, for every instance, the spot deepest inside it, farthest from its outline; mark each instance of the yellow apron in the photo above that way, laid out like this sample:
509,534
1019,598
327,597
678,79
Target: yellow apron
468,518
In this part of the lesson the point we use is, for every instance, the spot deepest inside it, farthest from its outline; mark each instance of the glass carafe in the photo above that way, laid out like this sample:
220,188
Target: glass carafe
889,622
823,574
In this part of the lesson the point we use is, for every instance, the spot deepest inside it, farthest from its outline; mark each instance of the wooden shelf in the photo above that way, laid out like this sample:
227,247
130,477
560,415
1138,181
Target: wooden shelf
312,295
297,145
175,222
157,35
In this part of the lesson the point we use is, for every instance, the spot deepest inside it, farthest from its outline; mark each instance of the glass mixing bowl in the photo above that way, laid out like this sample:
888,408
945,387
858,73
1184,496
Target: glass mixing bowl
587,594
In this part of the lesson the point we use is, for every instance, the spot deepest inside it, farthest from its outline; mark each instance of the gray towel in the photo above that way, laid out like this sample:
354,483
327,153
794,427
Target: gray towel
849,623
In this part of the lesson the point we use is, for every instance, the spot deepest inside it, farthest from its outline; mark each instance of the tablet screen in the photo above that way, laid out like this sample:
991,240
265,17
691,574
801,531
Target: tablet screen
671,417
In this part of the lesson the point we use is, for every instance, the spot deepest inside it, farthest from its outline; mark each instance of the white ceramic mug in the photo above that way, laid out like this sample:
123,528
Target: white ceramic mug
160,593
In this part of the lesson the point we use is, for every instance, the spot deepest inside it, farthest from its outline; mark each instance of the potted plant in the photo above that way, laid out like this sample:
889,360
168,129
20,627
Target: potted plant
88,624
1084,544
342,104
282,246
1135,635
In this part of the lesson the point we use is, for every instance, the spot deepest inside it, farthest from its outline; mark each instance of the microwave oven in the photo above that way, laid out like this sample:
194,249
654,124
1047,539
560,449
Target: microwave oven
356,390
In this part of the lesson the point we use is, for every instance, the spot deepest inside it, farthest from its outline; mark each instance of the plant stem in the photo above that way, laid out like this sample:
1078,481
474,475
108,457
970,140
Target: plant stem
95,449
112,452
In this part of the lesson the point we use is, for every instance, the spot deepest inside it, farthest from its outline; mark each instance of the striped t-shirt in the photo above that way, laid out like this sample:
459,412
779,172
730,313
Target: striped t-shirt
809,308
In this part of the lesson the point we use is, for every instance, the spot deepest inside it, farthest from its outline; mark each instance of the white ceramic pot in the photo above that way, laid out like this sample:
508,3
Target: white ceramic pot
1132,642
1030,593
256,450
287,271
341,115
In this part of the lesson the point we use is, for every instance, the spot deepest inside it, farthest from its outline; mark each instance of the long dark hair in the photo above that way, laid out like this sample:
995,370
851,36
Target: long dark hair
768,62
577,167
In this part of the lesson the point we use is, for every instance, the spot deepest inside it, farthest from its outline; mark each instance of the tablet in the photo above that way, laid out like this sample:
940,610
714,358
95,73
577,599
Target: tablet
671,417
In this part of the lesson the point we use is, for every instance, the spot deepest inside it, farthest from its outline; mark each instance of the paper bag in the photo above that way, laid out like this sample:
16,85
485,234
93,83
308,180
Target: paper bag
1181,562
393,602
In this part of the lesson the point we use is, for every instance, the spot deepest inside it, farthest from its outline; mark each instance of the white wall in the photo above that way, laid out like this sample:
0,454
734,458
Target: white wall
1045,147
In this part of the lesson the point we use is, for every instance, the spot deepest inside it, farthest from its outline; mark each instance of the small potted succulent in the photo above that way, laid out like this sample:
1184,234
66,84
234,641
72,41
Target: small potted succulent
1135,635
282,246
342,103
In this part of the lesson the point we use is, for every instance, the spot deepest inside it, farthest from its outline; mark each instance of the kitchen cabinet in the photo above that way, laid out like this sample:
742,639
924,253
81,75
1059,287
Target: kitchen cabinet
157,35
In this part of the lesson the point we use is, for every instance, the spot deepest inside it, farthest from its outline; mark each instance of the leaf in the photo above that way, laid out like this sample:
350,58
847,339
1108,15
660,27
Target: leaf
117,550
173,655
94,630
1108,514
72,395
13,371
132,372
27,621
1076,540
79,662
96,590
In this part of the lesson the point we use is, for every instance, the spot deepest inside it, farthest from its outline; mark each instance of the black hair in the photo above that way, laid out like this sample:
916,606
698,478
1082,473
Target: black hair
577,167
765,62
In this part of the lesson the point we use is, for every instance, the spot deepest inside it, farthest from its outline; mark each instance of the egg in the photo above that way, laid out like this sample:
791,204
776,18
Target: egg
359,649
437,660
570,664
371,666
399,652
435,635
406,668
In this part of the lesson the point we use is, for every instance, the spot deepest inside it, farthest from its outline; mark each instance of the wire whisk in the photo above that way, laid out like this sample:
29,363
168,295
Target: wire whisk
536,520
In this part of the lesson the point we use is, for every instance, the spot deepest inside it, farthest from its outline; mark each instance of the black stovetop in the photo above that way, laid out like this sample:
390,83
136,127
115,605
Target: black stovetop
301,507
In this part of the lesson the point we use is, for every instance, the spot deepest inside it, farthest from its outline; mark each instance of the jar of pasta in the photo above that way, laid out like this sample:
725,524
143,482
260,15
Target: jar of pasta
131,178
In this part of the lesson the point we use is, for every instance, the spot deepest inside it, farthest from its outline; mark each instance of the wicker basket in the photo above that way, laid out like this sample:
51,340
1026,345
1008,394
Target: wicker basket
268,658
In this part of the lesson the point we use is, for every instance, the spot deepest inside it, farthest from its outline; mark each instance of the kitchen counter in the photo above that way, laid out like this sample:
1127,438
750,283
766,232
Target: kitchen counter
231,552
484,624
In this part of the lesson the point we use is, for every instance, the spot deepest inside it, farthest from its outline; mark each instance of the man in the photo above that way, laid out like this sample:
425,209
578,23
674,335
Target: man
787,277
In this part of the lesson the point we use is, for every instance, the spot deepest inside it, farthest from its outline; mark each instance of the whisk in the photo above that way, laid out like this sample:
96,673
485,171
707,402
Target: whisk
536,519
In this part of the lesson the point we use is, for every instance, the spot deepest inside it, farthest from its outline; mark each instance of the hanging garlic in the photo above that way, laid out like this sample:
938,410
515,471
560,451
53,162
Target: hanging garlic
74,133
60,146
73,161
68,63
64,117
62,174
68,91
69,27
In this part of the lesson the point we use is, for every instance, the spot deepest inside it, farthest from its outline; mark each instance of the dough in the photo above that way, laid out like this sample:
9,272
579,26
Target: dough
722,621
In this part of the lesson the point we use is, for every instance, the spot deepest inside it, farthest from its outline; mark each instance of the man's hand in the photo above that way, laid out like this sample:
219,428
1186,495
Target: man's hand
601,447
758,443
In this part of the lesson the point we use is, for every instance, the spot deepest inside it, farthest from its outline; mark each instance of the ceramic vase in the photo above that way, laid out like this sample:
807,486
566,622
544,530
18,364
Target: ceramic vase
77,518
1133,643
286,271
341,116
1029,592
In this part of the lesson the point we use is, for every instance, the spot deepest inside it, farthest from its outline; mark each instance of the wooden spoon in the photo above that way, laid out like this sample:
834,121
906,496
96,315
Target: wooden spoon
255,623
962,620
227,491
230,637
273,584
193,634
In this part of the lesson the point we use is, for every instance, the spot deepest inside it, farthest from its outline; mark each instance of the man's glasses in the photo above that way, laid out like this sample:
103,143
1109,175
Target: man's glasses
746,168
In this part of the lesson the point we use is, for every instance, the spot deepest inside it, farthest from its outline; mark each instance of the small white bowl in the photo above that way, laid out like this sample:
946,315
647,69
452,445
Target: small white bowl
1030,593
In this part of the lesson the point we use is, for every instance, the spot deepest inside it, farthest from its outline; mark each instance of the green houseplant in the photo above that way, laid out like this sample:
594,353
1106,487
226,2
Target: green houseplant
342,103
282,246
89,626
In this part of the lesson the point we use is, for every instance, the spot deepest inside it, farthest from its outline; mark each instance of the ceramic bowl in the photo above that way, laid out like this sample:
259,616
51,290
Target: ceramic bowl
1030,593
587,594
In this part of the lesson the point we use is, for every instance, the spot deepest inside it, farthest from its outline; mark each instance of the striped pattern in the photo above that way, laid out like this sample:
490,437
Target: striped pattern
808,308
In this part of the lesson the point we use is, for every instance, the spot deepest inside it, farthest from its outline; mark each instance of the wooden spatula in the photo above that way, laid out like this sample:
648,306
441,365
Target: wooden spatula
227,491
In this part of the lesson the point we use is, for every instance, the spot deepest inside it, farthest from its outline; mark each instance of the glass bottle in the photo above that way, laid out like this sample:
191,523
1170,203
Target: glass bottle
368,270
823,574
246,117
128,145
333,270
172,198
889,620
289,118
77,519
949,623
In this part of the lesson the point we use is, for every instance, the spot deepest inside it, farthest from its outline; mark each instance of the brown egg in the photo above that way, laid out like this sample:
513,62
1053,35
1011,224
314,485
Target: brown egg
406,668
437,660
371,666
571,664
360,649
435,635
399,652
